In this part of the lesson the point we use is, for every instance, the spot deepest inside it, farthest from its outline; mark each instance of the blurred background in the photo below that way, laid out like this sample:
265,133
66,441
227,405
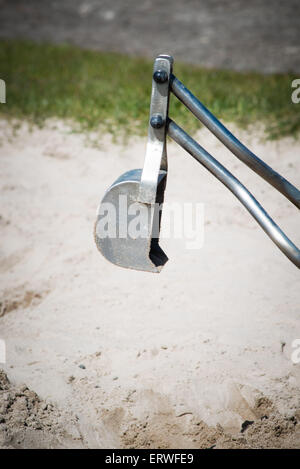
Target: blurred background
261,35
90,60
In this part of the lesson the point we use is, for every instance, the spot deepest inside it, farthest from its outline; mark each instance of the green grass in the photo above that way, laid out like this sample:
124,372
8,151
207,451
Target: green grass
111,92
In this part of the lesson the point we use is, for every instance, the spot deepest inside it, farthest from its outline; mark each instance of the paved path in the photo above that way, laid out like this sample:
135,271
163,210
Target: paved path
258,34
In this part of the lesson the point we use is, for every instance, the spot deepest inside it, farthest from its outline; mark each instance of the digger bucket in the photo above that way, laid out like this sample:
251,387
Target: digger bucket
142,191
120,204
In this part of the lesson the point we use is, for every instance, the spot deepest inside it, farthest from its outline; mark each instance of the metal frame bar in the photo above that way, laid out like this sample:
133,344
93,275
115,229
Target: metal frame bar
238,189
232,143
156,152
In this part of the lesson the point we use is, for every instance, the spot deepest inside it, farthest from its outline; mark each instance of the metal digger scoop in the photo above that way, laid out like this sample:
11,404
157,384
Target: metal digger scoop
117,235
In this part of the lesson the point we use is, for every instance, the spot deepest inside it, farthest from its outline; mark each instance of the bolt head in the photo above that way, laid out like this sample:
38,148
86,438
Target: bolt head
160,76
156,121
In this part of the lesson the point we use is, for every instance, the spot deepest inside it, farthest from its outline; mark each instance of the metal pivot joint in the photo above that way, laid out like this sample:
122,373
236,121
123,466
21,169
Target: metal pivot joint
146,187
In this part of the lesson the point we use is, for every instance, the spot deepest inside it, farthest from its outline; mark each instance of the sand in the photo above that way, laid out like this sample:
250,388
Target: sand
113,358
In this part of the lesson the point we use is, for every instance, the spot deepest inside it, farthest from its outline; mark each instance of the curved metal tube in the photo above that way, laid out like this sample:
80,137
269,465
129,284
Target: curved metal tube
231,142
238,189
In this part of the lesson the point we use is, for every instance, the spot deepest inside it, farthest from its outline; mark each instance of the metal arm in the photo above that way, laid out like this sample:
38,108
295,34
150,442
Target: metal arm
231,142
238,189
156,153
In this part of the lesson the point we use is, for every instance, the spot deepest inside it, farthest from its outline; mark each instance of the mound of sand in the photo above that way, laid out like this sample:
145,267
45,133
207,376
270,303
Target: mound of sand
26,421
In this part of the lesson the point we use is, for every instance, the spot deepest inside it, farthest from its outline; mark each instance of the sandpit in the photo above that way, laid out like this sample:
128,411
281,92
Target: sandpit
197,356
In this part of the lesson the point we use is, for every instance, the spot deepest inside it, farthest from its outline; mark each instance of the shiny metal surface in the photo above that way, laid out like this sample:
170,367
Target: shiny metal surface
156,152
238,189
231,142
118,245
